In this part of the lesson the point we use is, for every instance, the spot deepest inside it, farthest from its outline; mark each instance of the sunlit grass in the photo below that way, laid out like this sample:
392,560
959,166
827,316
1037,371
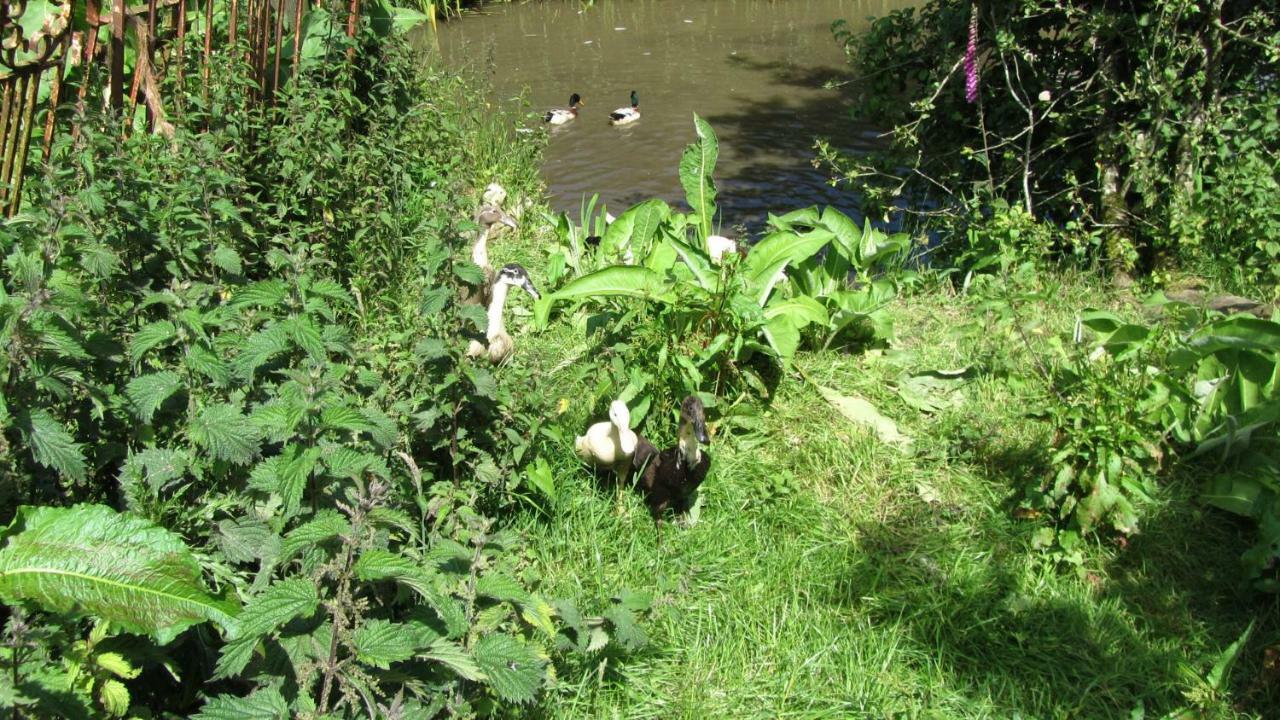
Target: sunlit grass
830,575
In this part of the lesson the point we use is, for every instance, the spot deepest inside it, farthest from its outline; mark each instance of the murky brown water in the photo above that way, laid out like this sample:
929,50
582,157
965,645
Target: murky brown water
755,69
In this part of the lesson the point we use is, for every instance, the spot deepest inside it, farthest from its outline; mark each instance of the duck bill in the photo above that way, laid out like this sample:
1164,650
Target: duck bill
508,221
700,432
533,291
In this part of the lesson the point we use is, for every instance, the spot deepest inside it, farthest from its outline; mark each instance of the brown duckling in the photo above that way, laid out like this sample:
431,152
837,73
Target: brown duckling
668,478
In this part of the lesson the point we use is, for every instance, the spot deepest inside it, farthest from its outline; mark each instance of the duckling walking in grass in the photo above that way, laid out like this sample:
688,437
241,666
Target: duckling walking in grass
498,344
560,116
486,217
610,444
669,478
624,115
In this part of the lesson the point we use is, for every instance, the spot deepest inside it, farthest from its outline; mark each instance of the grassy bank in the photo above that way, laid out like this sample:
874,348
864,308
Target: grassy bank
832,575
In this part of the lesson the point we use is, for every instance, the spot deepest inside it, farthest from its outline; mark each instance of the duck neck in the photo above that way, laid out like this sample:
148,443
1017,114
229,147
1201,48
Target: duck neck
496,304
689,444
480,251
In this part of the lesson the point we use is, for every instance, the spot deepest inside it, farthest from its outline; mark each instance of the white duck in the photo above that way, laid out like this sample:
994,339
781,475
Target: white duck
609,444
498,344
718,245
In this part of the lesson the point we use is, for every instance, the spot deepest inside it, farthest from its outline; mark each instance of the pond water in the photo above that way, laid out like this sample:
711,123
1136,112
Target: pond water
757,71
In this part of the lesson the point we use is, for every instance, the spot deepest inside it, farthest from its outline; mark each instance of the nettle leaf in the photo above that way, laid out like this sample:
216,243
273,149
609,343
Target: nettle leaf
513,670
204,362
332,290
534,610
114,697
246,540
476,316
225,433
468,272
149,337
280,418
226,260
344,417
93,560
325,525
264,293
454,657
148,392
384,431
306,335
60,342
346,462
259,349
382,642
285,475
264,704
156,466
277,605
52,446
377,564
628,633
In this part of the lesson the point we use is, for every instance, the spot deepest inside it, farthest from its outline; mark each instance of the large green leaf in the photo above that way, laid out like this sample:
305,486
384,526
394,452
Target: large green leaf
696,167
94,560
617,281
635,229
774,252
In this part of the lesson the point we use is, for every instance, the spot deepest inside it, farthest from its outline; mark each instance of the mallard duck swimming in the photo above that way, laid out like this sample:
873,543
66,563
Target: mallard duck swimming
486,217
609,444
668,478
624,115
498,344
560,116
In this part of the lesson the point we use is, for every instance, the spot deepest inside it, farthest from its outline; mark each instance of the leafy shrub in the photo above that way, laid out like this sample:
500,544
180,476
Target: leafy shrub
1196,388
722,326
257,346
1134,143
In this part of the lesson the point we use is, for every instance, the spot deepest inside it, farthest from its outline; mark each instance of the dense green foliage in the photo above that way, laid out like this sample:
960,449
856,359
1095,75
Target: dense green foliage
250,473
1141,130
244,344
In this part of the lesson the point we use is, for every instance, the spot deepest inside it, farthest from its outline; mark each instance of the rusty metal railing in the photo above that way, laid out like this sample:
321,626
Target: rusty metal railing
35,62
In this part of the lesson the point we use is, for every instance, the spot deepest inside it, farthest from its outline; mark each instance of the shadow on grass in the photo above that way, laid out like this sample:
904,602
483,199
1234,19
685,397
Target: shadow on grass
1008,628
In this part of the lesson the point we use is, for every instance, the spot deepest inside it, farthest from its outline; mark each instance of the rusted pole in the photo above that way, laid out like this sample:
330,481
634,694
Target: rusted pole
351,29
12,134
208,47
275,75
24,139
231,34
55,94
7,109
297,35
180,20
116,62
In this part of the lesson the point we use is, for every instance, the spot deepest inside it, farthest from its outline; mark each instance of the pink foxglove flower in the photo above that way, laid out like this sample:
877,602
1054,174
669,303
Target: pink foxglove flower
971,59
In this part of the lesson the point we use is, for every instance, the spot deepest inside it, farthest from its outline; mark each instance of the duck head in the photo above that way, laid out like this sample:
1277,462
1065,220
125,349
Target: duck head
575,100
694,416
515,275
635,99
619,415
489,215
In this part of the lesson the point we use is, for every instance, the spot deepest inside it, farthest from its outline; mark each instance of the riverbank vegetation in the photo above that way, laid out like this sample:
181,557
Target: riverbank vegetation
248,471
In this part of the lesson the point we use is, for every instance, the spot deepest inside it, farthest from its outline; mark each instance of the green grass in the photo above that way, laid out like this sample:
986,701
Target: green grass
830,575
